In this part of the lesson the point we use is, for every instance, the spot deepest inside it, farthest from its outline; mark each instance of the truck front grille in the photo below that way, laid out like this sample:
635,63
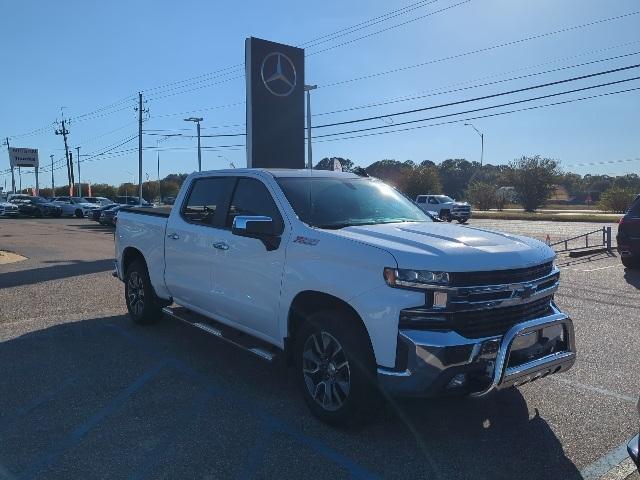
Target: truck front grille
500,277
493,322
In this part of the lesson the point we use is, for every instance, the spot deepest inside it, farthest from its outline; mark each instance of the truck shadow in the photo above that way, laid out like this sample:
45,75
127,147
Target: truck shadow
102,395
54,272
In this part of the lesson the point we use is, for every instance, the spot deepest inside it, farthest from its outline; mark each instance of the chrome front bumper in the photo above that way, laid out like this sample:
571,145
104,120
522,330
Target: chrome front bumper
444,362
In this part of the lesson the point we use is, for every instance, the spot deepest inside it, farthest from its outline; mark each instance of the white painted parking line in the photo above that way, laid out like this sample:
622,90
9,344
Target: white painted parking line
618,265
601,391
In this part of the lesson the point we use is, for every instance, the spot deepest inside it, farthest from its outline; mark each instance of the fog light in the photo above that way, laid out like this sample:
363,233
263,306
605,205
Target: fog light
439,299
458,381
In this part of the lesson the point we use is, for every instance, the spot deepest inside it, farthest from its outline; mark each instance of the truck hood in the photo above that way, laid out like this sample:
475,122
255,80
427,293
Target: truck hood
450,248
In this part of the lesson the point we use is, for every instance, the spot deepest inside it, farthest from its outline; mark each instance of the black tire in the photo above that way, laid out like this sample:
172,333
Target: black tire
631,263
79,213
347,406
465,220
143,305
39,213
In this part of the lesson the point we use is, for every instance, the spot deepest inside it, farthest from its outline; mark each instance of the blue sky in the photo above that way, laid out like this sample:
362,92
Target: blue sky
88,55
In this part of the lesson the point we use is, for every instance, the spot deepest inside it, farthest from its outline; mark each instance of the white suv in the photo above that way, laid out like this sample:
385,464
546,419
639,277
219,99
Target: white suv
75,206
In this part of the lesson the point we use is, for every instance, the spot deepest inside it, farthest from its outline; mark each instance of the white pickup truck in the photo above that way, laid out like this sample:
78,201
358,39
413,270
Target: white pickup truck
445,207
348,281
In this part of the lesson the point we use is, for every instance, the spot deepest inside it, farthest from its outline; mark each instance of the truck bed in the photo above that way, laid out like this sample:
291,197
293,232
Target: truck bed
162,211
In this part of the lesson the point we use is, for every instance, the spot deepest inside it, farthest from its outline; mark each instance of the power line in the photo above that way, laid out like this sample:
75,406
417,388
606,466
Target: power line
479,50
495,82
484,97
467,119
516,102
348,42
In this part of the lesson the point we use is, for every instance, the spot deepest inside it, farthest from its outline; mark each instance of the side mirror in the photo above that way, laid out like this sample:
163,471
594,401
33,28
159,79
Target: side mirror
259,227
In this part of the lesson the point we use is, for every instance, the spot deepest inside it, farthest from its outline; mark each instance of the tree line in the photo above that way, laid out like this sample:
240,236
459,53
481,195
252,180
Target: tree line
527,181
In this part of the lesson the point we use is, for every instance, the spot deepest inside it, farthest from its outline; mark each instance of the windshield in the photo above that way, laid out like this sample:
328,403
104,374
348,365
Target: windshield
79,200
341,202
444,199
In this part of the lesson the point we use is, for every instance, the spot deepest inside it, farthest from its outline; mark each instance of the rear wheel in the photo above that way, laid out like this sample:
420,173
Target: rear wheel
142,303
630,262
463,220
79,213
336,368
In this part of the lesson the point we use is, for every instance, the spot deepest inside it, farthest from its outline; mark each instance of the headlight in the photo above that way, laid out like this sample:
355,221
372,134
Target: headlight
403,278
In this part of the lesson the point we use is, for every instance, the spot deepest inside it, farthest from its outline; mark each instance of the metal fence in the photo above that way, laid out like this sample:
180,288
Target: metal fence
600,238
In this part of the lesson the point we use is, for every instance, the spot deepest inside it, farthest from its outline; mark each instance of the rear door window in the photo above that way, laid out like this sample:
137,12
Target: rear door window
207,201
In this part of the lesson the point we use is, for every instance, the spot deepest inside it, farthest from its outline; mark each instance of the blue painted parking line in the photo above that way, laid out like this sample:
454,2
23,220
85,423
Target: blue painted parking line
35,403
269,421
78,434
160,451
257,451
605,463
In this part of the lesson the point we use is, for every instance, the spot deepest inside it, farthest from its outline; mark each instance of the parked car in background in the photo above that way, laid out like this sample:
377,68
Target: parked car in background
445,207
169,200
8,209
75,206
131,201
108,215
100,201
95,214
628,237
36,207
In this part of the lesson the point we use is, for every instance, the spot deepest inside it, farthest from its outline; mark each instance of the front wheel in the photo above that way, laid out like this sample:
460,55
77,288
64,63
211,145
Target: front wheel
463,220
142,304
79,213
336,368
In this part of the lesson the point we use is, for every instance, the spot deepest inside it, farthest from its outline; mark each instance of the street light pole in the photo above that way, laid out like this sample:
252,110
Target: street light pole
481,141
53,188
79,183
197,120
308,88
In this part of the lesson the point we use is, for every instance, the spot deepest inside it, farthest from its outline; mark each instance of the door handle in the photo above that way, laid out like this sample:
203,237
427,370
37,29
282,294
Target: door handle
173,236
220,246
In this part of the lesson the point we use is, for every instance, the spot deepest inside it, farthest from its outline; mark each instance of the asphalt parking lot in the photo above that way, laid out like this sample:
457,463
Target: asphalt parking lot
87,394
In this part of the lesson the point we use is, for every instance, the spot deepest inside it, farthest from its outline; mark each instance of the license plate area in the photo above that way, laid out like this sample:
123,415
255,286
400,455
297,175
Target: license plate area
535,344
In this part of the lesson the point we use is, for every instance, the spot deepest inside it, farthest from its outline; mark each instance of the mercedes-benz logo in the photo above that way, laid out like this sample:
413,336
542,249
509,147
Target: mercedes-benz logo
278,74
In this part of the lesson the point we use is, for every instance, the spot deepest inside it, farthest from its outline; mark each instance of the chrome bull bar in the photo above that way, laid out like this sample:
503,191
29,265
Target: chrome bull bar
505,376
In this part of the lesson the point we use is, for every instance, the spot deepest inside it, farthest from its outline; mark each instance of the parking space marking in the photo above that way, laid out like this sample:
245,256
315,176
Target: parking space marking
78,434
160,451
269,421
35,403
601,391
605,463
619,265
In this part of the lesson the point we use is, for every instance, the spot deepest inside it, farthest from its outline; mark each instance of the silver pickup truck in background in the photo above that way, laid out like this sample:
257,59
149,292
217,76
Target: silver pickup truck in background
445,207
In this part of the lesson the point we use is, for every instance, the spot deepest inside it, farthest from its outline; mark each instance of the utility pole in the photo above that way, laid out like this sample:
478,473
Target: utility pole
79,184
308,88
13,178
197,120
158,152
64,132
53,187
140,148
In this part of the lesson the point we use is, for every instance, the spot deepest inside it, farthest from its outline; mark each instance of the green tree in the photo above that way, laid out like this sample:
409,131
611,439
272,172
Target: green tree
483,195
455,175
419,180
102,190
616,199
390,171
533,179
327,164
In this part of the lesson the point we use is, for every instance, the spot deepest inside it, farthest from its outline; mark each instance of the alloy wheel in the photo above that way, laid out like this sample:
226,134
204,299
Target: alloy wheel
135,293
326,370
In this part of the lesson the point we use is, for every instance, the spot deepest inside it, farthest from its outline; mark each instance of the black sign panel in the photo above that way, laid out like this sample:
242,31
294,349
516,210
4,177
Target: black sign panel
275,104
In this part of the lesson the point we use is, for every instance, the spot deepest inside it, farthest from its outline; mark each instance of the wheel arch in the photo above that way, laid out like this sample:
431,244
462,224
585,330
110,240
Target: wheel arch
129,255
310,301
